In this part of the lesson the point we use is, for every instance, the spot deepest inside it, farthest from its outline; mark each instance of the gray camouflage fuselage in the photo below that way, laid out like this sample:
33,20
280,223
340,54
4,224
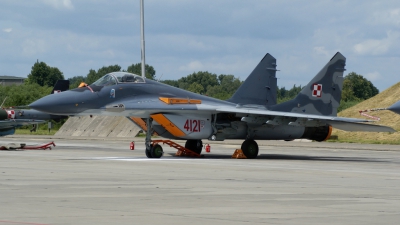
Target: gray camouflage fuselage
251,113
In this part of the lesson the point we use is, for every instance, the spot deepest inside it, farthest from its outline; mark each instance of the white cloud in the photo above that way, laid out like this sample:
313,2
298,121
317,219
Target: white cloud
31,47
193,66
320,50
59,4
373,76
377,47
391,17
7,30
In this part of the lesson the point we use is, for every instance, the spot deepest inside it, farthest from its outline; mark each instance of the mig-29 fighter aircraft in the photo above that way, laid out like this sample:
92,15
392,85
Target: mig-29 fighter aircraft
250,114
14,118
11,118
395,107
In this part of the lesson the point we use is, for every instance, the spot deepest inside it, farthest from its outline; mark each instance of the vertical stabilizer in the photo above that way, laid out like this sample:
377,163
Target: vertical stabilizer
321,96
260,86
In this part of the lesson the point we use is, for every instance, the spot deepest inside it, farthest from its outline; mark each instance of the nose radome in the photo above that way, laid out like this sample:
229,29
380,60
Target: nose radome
66,103
45,104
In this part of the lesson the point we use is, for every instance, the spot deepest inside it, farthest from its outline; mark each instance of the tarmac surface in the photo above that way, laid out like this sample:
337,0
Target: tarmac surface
101,181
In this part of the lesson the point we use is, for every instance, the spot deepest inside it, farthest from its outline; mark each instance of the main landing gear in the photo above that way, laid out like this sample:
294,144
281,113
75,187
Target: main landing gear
154,150
194,145
250,148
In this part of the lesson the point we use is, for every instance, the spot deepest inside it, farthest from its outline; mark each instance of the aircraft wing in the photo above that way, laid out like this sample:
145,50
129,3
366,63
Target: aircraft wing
278,117
342,123
9,123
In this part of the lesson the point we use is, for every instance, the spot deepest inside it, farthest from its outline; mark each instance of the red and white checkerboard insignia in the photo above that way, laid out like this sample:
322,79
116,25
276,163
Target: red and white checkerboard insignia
11,114
317,90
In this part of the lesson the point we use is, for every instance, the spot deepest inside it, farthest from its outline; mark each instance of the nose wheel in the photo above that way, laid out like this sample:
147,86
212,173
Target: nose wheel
152,150
155,151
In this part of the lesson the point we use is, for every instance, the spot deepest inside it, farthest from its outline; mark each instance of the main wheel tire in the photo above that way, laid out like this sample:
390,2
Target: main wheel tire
194,145
250,149
148,154
156,151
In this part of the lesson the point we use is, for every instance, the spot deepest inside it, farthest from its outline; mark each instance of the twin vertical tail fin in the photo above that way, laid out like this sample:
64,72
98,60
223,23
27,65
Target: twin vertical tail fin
321,96
260,86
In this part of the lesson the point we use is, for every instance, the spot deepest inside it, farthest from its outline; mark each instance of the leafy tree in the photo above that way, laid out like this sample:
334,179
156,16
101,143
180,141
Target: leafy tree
18,95
173,83
217,92
347,91
356,87
284,95
229,83
93,75
202,82
75,81
196,88
150,73
203,78
44,75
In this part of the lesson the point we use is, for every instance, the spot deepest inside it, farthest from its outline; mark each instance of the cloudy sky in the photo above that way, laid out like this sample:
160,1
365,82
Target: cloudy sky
219,36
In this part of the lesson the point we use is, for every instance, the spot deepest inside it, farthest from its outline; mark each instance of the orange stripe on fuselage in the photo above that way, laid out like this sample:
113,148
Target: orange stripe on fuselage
168,125
171,101
140,123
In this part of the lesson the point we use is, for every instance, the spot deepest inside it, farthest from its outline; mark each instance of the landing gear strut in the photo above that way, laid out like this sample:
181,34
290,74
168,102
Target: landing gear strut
250,148
152,151
194,145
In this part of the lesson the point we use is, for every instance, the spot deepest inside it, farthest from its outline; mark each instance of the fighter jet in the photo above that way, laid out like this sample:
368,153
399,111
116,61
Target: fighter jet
250,114
395,107
11,118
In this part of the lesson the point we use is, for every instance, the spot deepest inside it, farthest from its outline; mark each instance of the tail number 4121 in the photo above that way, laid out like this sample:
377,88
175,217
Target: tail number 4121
194,125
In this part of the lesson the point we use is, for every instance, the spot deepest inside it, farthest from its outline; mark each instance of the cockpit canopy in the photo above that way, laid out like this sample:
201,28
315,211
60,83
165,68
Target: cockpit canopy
118,77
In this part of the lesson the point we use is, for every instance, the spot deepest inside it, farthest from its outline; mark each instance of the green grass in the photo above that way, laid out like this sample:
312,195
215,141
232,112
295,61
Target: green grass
382,142
38,132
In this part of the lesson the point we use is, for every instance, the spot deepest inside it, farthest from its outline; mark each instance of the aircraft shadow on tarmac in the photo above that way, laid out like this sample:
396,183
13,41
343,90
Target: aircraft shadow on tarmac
318,158
299,158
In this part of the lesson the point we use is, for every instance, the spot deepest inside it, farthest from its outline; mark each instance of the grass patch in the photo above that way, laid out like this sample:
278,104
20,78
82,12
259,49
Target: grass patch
38,132
382,142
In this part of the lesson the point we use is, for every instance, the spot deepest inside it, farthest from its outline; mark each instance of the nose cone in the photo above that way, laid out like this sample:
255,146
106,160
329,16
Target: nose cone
395,107
65,103
50,104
